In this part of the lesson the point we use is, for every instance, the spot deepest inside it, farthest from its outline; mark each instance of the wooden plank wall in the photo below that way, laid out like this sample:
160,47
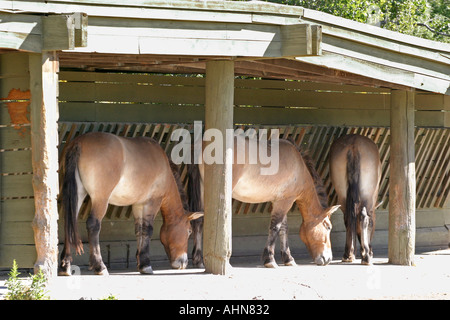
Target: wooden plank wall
16,191
180,99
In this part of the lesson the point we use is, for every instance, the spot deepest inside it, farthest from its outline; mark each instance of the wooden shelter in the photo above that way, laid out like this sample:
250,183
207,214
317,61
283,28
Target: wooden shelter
69,67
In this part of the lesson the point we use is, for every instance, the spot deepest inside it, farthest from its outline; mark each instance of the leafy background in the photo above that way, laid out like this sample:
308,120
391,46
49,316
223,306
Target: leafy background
429,19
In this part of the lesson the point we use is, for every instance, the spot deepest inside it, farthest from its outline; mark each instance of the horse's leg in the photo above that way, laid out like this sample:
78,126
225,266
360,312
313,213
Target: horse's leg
365,246
349,249
197,232
93,225
286,256
144,216
66,255
279,211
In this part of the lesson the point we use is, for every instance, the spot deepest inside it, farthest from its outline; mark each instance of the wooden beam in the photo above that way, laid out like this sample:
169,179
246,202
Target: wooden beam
219,94
375,36
378,69
323,70
44,141
136,36
64,31
296,40
220,11
21,32
402,189
81,24
301,40
316,43
58,32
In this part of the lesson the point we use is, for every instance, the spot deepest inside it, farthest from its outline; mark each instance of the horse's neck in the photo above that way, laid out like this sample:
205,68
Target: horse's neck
309,203
172,205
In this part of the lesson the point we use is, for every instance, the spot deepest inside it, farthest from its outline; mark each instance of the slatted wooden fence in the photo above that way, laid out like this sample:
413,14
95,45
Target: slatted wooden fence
432,161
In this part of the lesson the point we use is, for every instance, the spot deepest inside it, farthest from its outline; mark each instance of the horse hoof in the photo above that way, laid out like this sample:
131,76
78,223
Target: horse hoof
199,265
103,272
291,263
271,264
366,262
64,273
146,270
347,259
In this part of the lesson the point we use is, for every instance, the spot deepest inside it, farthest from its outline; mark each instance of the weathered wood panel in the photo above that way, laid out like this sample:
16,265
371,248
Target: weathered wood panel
14,210
16,161
22,32
16,191
154,98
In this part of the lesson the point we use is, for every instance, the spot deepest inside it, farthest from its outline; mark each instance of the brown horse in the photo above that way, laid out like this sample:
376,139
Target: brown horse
355,171
295,181
123,172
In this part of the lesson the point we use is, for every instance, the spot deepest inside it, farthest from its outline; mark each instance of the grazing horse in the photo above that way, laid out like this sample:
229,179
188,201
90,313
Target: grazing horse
295,181
355,171
123,171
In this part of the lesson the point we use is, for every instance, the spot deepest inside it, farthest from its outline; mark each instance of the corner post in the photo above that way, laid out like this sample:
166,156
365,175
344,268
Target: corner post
402,189
44,113
218,176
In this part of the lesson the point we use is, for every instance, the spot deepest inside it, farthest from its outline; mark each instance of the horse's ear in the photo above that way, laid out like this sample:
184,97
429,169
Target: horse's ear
332,209
379,204
195,215
364,212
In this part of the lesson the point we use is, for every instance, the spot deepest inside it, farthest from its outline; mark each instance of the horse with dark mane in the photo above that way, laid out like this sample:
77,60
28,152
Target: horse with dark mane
355,171
123,171
294,182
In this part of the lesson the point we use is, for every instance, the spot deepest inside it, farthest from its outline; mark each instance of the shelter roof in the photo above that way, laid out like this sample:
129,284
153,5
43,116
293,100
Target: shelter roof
265,40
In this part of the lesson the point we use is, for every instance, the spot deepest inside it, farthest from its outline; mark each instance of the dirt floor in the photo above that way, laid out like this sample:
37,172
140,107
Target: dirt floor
248,280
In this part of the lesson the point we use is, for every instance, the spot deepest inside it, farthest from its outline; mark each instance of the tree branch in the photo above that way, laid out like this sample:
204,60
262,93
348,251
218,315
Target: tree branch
432,30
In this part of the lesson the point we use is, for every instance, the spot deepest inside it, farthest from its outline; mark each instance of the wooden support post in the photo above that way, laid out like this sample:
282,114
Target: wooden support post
218,176
44,142
402,189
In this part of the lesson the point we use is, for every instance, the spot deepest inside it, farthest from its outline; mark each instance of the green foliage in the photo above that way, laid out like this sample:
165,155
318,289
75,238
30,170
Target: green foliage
428,19
110,297
26,289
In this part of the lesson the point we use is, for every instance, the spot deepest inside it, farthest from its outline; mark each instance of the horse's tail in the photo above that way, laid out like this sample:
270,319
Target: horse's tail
353,196
176,174
193,188
70,197
195,205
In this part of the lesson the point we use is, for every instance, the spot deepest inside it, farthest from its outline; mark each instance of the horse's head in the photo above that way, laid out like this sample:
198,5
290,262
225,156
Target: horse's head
174,237
316,236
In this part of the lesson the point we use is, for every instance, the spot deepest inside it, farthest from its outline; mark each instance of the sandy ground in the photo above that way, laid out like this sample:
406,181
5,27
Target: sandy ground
428,279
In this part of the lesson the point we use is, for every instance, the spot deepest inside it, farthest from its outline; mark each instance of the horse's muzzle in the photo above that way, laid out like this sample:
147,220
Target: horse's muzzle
324,259
180,262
